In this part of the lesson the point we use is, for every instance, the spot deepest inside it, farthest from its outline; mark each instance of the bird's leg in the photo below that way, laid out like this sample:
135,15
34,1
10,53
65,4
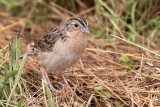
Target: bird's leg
46,79
66,82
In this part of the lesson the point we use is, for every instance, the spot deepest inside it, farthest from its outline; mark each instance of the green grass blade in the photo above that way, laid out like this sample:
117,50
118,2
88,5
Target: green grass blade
17,79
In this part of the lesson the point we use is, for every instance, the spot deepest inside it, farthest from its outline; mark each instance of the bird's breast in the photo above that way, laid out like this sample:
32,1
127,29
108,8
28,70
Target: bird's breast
63,55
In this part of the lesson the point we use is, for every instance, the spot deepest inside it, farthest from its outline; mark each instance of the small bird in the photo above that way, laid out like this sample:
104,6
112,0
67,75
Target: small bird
62,47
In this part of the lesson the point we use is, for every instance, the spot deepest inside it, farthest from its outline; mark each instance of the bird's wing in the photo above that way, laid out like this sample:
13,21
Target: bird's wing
47,42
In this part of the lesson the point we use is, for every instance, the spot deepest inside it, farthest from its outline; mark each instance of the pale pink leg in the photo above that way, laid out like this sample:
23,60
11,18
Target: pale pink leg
46,79
66,82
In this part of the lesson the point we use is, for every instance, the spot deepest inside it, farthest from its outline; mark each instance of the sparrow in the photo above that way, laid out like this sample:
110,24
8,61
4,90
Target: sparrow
61,47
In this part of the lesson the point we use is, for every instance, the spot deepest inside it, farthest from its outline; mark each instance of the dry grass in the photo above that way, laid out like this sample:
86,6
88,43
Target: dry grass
100,78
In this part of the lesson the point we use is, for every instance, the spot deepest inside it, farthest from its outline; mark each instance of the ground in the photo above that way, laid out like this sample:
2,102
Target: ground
111,72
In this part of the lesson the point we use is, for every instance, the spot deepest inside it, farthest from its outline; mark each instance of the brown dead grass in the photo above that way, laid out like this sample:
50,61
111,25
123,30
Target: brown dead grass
98,67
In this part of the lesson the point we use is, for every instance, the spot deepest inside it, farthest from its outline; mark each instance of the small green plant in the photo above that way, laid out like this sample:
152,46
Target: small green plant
10,73
126,60
101,89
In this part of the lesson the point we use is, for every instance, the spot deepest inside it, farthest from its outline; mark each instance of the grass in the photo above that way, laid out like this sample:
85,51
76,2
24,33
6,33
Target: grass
112,72
127,21
11,78
11,74
48,98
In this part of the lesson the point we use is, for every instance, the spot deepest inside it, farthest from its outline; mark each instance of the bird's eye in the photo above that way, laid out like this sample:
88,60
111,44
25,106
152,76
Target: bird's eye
76,25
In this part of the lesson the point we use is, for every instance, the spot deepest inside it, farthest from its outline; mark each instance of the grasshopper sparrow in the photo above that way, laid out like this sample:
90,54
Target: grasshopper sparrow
62,47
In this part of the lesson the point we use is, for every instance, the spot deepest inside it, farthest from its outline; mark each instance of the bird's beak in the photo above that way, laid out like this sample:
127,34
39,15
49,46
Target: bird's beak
86,30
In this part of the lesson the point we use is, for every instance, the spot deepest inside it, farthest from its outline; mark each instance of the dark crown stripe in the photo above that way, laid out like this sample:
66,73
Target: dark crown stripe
82,21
